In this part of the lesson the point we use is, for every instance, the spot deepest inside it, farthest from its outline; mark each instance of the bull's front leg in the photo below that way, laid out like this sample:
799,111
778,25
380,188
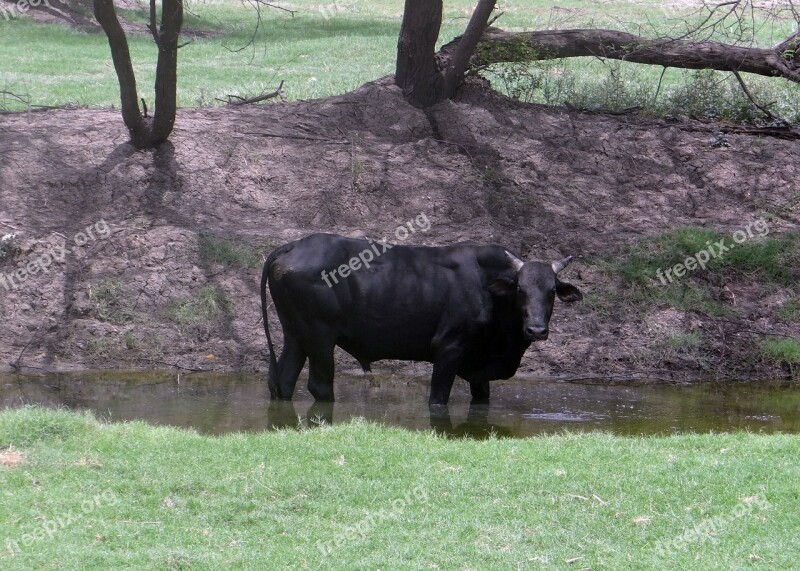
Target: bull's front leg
446,362
479,391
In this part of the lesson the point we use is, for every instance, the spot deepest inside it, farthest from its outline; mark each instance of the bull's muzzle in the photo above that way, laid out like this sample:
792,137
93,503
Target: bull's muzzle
536,333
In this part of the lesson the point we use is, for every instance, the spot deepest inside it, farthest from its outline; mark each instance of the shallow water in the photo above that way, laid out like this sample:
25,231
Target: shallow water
221,403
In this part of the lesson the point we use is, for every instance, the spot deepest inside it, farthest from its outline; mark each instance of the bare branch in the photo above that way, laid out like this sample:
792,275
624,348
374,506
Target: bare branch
257,4
19,98
755,103
237,100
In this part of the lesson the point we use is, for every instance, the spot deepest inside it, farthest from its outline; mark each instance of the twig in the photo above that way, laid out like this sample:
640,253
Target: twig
590,111
17,97
642,376
752,99
36,108
277,7
493,20
190,369
36,336
299,137
245,100
9,225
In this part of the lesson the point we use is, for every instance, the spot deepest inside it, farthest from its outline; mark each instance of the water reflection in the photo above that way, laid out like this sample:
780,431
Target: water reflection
217,404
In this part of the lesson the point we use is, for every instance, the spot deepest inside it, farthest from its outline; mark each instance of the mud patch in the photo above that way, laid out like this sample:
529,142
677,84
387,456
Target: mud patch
11,457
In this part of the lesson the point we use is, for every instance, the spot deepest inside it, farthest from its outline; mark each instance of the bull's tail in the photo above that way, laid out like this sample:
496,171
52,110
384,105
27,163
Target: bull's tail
272,376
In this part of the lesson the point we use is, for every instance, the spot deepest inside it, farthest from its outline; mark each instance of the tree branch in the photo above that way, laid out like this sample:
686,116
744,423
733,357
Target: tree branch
755,103
499,46
454,73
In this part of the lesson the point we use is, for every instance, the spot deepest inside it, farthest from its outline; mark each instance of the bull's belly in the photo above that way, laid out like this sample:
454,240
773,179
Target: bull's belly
368,350
402,339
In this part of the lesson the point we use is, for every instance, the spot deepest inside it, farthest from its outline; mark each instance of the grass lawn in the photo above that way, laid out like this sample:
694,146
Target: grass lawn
329,48
81,494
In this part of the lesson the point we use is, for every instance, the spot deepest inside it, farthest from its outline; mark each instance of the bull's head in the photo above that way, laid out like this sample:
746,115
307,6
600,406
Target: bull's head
535,288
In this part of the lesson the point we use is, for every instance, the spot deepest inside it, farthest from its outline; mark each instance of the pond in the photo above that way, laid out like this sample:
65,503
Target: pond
222,403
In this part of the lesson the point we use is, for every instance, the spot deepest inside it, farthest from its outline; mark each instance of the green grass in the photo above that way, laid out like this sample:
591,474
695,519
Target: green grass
198,314
647,267
112,302
790,310
8,247
320,51
80,494
782,350
229,253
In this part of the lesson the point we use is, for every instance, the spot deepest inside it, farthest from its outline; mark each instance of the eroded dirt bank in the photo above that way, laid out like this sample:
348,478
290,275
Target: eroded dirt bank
155,255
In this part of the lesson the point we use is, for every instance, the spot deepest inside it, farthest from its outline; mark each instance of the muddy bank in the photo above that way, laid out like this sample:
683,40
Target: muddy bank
154,256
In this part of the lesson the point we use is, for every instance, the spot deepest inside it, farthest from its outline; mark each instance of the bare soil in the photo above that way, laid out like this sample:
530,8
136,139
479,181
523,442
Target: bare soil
545,182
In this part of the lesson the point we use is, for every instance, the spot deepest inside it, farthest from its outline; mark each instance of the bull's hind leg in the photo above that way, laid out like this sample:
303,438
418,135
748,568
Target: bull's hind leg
320,373
290,363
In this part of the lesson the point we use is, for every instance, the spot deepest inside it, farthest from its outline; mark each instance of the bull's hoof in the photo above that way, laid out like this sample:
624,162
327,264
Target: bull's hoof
438,409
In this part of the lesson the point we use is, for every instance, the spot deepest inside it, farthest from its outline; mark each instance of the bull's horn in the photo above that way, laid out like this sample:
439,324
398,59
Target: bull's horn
515,261
561,264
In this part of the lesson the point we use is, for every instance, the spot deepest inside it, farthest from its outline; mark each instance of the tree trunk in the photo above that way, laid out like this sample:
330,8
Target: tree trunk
167,69
498,46
121,56
146,133
416,71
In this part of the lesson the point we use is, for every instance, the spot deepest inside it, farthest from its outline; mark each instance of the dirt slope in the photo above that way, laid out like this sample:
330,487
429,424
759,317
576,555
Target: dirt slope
147,287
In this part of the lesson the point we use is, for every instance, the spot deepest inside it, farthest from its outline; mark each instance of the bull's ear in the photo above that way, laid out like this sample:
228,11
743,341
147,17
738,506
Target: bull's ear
502,287
568,292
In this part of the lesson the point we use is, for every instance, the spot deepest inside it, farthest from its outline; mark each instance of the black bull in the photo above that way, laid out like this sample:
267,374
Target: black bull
470,310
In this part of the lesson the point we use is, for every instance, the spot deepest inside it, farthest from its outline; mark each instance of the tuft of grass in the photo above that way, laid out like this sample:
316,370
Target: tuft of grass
8,247
643,267
101,347
33,424
782,350
201,313
642,261
790,310
228,253
684,347
328,498
112,302
127,347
